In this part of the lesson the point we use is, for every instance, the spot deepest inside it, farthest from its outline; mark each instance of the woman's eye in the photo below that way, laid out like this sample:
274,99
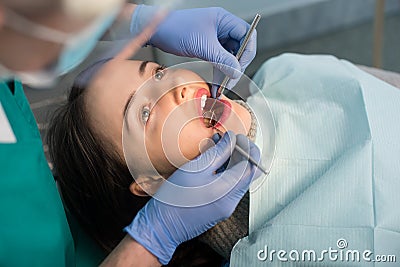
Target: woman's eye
159,73
145,114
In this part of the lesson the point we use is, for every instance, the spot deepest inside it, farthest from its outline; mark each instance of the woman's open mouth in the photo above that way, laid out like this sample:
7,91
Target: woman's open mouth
213,112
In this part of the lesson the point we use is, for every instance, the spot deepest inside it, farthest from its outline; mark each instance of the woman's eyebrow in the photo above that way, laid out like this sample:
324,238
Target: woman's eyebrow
142,67
131,98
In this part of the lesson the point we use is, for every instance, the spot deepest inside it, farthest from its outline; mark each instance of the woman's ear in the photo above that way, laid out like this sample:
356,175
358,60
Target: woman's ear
146,186
137,190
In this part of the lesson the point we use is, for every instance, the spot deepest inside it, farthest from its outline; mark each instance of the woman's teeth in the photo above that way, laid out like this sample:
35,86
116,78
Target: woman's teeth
203,101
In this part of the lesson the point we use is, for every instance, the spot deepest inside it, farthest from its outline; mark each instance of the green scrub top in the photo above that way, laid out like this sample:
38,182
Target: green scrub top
34,230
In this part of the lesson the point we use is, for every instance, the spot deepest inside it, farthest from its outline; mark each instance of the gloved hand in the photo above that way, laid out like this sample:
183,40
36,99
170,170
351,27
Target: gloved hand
161,227
212,34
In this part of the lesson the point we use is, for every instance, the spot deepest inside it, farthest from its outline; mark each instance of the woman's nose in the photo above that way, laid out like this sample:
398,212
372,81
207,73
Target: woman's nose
181,94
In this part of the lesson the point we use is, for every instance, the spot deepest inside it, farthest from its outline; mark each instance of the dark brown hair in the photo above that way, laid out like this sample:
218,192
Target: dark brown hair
94,180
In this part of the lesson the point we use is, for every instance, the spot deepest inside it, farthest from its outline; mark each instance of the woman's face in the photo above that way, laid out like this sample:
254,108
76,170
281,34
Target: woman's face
158,113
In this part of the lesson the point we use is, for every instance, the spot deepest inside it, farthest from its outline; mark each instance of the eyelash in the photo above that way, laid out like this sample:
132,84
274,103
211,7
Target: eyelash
159,70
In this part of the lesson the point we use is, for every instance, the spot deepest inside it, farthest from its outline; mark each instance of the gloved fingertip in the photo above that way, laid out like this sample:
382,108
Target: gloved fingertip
216,137
227,143
256,173
229,66
214,90
229,135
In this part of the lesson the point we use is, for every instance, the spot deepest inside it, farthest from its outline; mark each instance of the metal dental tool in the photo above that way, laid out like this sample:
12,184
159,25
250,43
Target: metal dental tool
247,156
210,119
209,115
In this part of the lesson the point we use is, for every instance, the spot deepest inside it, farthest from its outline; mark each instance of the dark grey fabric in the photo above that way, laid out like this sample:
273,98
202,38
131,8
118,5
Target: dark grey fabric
223,236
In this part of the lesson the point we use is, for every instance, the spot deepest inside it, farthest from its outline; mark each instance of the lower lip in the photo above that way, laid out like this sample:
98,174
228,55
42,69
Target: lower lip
225,114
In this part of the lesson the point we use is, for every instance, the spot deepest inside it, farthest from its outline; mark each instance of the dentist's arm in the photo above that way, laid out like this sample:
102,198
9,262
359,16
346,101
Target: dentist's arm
130,253
160,228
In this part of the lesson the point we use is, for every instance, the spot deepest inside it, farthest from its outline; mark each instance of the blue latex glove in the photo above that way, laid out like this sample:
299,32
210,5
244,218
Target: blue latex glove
161,227
212,34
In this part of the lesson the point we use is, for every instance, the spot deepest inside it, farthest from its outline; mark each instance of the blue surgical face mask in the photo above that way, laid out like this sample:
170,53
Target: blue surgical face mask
76,47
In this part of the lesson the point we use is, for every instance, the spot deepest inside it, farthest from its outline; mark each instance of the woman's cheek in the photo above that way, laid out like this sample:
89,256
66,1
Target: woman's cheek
194,140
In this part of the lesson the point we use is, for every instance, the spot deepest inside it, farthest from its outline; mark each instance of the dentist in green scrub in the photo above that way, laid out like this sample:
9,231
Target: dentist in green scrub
43,39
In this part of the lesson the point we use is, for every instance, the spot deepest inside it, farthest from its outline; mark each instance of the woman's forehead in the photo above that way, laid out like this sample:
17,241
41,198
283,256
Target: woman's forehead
111,87
117,74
